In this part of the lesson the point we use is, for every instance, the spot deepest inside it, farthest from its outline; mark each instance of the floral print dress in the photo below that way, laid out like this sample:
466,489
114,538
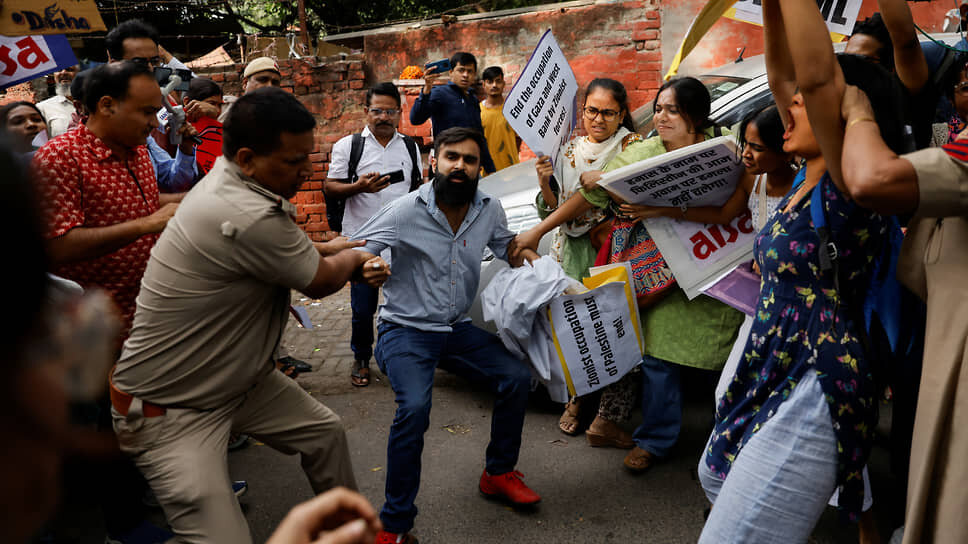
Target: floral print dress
802,325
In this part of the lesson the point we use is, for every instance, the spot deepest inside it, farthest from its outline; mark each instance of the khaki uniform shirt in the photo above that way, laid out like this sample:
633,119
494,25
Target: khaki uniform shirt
934,264
215,295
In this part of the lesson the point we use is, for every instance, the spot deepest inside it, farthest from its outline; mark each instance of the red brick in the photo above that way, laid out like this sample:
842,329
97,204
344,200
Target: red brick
653,45
357,84
315,185
357,74
356,65
315,208
652,14
642,35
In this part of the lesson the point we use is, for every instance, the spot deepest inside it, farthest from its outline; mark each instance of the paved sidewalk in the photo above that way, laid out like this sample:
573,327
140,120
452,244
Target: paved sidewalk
588,496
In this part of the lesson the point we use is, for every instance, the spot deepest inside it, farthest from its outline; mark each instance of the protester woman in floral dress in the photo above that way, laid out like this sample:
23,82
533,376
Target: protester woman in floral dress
797,420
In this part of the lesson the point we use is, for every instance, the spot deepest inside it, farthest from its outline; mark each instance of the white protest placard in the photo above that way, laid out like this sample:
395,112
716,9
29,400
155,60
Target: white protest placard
704,174
596,335
541,105
23,58
840,15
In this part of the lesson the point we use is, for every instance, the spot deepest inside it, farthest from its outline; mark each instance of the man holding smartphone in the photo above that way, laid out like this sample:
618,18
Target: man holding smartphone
454,104
368,170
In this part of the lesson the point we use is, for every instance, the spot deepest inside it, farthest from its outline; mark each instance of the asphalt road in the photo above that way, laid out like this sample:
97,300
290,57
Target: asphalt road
587,494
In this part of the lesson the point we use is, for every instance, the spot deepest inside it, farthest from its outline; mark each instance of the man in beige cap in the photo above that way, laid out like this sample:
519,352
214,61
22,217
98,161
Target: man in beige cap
260,72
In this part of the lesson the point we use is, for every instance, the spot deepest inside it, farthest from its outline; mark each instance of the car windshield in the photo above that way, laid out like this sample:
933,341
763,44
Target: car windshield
717,86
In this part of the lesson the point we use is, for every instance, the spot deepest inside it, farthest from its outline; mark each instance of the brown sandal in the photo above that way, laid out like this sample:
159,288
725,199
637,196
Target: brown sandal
638,460
569,422
361,374
603,433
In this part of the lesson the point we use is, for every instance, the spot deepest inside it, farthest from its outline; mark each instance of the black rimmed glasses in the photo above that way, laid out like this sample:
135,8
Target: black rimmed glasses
607,115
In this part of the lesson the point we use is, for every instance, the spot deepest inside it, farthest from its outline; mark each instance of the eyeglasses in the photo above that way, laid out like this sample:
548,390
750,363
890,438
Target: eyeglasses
153,61
376,112
607,115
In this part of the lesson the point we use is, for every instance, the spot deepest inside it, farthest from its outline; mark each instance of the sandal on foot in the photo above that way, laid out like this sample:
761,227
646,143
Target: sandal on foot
638,460
287,368
360,377
603,433
569,422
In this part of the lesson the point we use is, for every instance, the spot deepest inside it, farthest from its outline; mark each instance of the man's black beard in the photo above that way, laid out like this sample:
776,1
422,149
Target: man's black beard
450,193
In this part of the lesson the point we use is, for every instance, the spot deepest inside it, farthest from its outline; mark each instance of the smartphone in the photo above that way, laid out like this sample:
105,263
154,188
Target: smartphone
440,66
395,177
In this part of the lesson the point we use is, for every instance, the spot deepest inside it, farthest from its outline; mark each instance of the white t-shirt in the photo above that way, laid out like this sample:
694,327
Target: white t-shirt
375,158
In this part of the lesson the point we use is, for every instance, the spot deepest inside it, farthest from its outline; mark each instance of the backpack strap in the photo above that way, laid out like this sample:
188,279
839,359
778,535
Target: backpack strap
828,249
416,176
356,151
336,206
717,131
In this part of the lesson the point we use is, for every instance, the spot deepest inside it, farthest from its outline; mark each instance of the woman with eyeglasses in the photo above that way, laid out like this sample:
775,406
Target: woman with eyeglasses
575,212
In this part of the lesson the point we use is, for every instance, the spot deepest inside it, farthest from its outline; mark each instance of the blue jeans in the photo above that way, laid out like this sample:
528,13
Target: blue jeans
661,407
363,302
781,479
409,358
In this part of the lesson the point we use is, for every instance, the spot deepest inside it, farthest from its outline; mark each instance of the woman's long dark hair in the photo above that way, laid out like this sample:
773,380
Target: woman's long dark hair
692,98
884,93
618,93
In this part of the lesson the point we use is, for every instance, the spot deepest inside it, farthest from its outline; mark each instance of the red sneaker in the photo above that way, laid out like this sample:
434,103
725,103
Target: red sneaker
384,537
508,487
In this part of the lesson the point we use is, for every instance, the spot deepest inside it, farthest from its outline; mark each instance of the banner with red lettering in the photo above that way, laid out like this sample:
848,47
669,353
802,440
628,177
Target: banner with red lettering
23,58
704,174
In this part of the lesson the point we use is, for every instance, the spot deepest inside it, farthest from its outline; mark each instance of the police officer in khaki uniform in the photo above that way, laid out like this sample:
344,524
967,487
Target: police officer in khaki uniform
933,185
212,307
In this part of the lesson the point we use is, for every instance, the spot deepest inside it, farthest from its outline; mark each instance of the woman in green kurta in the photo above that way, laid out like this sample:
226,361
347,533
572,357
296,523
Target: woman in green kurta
697,333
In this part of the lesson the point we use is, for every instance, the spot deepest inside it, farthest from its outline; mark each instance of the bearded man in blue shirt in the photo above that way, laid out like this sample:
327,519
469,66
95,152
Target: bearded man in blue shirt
437,235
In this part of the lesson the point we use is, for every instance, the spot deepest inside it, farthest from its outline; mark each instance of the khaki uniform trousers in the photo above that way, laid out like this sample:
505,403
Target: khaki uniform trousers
182,453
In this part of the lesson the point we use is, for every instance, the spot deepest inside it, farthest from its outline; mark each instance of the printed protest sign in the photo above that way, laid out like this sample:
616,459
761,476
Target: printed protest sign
840,15
597,335
541,105
704,174
23,58
32,17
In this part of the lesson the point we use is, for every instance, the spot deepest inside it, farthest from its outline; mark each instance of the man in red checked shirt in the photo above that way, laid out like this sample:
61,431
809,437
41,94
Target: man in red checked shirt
104,211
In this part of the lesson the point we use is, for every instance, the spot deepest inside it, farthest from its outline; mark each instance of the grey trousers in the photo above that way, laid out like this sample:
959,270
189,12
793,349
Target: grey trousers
183,453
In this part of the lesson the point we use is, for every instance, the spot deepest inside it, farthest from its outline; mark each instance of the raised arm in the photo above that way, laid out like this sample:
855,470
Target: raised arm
779,65
909,62
819,78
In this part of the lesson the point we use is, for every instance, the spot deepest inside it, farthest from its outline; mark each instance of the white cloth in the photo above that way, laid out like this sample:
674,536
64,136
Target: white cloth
578,156
514,298
57,112
760,204
375,158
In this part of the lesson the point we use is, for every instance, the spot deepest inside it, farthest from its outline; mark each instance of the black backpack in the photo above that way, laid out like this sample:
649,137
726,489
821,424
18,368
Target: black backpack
336,206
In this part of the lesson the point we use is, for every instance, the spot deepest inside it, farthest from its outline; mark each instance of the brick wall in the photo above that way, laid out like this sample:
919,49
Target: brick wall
333,90
619,39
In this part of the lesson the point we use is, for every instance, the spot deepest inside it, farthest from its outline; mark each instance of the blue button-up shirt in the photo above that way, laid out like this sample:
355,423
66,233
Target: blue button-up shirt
448,106
174,174
434,272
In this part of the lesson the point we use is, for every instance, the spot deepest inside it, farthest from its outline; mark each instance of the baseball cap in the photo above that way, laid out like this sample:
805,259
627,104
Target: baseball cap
261,64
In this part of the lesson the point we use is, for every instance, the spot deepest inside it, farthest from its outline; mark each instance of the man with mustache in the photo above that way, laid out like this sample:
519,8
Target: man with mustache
59,109
373,153
436,236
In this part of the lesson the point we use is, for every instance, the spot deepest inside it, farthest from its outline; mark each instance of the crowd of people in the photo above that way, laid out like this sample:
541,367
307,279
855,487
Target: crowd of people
186,232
